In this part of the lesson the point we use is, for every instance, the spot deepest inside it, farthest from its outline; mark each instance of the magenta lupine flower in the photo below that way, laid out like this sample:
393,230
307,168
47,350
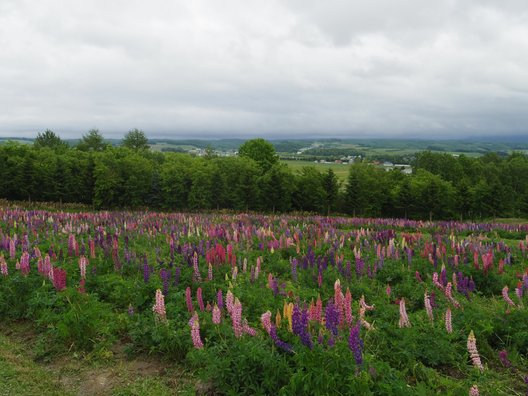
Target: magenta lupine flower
217,316
83,262
159,306
473,353
200,298
428,307
188,299
404,319
3,266
474,391
265,319
388,291
195,331
59,278
418,277
236,318
506,297
503,357
24,263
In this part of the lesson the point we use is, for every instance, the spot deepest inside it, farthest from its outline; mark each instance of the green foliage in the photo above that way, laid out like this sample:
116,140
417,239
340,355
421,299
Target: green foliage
136,140
261,151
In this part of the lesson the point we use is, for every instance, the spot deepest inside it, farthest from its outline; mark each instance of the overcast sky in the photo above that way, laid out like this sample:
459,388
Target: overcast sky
299,68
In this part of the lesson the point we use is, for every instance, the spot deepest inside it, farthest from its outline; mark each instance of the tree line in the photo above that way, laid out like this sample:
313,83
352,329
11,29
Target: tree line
132,176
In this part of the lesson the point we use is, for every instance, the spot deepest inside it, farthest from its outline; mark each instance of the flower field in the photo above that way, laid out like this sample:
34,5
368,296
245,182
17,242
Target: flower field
288,305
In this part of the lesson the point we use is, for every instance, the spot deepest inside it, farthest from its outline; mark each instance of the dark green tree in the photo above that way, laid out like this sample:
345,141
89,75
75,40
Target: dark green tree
331,187
50,139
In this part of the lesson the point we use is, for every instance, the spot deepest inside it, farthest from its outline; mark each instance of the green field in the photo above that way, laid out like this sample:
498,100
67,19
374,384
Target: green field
341,170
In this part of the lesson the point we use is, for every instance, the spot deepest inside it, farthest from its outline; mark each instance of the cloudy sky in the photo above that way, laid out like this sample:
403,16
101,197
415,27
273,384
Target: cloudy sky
443,68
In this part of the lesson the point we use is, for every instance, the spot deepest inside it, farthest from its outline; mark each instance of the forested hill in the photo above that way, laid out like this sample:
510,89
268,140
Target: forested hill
442,186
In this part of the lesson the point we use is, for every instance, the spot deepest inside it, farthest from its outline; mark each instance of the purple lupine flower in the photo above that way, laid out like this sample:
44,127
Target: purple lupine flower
332,318
219,299
300,325
278,342
356,344
165,278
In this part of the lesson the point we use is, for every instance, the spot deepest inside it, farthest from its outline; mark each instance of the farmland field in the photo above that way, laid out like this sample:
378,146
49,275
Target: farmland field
341,170
170,303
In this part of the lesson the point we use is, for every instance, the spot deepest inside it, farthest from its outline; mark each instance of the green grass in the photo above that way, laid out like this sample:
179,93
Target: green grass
341,170
20,376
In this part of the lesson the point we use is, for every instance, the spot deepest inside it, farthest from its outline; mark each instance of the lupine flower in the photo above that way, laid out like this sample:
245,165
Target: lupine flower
59,278
83,262
217,316
474,391
196,271
418,277
219,299
388,291
210,272
265,319
449,295
348,307
165,279
278,319
199,297
428,307
278,342
229,302
331,318
188,299
159,306
506,297
473,353
503,357
248,329
448,324
3,266
404,319
236,318
356,344
130,310
300,325
24,263
195,331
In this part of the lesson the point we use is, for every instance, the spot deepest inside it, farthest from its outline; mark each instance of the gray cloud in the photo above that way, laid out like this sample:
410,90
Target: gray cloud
246,68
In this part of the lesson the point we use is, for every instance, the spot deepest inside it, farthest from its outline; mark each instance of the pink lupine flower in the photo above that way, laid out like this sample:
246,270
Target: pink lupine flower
449,295
474,391
83,262
506,297
404,319
473,353
388,291
257,269
234,273
348,307
217,316
248,329
448,324
199,297
12,248
229,302
196,271
159,306
91,244
436,282
59,278
363,304
265,319
188,299
3,266
236,318
195,331
428,307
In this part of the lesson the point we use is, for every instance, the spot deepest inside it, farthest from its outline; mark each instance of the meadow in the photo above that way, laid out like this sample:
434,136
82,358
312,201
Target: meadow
261,304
